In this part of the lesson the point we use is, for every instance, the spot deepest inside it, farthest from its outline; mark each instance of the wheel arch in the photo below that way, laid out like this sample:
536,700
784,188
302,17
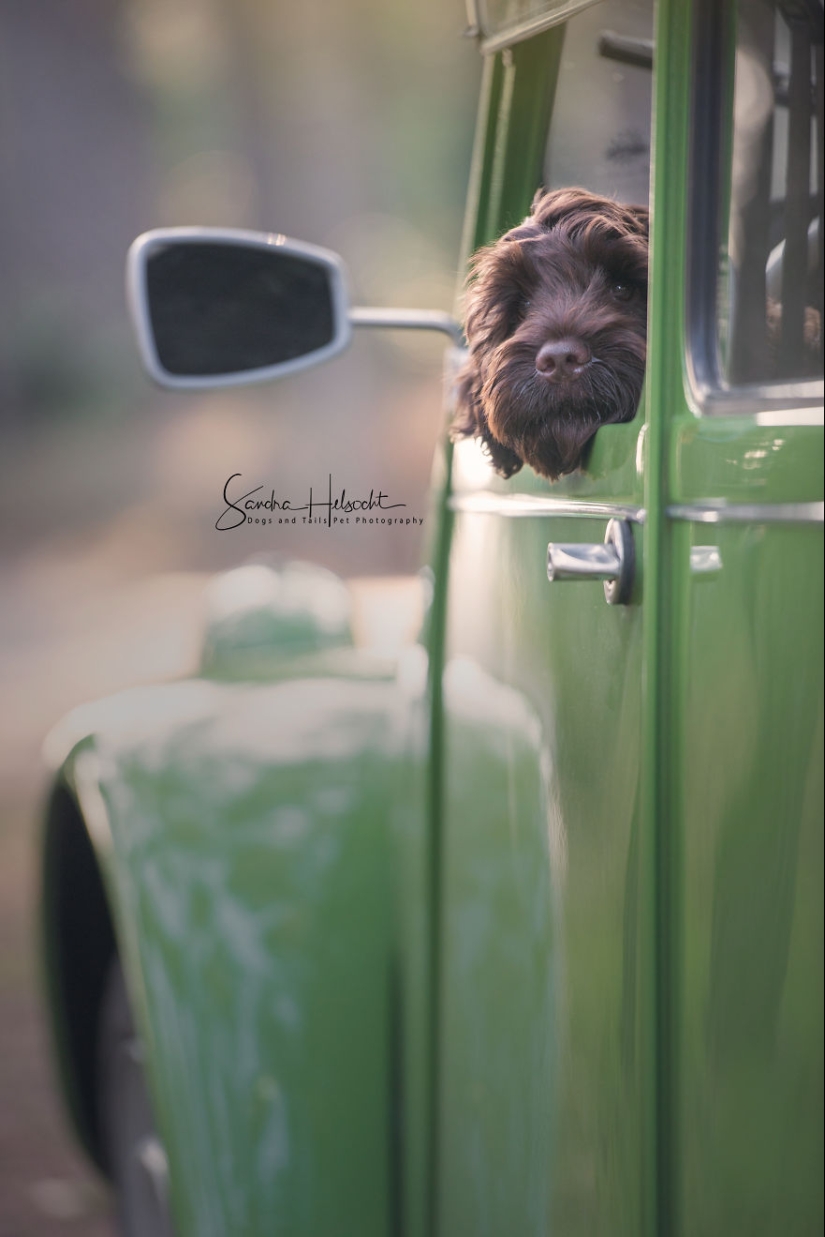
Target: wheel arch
78,948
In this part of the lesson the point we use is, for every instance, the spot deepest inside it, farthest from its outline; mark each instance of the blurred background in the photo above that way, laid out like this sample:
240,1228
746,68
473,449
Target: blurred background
347,123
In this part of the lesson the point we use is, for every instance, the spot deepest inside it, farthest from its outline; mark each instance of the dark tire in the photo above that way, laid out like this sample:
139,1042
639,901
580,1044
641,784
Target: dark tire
134,1153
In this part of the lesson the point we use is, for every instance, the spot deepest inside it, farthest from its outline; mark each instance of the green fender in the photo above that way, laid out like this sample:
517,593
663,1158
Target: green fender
241,823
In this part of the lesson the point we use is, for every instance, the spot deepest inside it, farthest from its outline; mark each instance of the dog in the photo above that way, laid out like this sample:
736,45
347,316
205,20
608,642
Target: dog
556,326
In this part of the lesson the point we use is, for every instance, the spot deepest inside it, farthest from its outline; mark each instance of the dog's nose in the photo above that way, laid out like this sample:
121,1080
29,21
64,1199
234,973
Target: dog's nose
562,358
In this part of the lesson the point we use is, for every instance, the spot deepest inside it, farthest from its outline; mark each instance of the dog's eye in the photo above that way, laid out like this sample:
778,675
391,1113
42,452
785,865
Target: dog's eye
518,311
622,291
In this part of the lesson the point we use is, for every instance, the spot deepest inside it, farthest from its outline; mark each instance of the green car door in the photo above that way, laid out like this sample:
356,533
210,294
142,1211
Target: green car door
629,993
546,1077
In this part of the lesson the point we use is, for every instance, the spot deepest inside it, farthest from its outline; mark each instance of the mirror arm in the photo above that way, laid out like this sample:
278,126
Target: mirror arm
409,319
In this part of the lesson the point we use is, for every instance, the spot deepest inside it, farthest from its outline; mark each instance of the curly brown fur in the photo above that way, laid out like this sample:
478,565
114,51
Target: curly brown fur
556,318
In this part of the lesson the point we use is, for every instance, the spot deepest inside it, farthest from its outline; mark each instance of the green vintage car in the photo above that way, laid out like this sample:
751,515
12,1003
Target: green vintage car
520,932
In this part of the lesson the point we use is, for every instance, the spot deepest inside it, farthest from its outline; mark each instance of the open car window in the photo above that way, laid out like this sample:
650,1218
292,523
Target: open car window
600,131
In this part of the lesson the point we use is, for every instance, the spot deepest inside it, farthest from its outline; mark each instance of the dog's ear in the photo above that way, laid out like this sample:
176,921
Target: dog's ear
470,421
504,461
467,405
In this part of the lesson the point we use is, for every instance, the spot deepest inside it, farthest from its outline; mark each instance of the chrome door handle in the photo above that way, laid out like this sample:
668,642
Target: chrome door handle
614,562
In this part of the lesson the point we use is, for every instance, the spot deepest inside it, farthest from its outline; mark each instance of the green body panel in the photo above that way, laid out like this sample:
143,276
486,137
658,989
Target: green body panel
243,831
739,460
545,1034
665,371
631,870
747,918
740,684
739,691
546,1030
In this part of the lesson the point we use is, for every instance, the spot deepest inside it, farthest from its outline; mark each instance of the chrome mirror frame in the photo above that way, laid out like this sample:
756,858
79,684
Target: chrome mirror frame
142,249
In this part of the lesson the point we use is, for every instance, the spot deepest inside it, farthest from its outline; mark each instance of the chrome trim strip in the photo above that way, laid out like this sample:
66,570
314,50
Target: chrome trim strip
748,513
791,416
526,506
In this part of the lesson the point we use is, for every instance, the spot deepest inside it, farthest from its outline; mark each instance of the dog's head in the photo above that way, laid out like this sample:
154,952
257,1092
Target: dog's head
556,316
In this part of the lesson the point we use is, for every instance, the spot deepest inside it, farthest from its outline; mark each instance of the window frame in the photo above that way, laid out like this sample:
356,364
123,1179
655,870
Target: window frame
495,38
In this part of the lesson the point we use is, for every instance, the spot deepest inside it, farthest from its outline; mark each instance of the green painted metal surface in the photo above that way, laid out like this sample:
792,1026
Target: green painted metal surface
545,1012
243,833
631,920
544,1038
666,345
739,686
746,919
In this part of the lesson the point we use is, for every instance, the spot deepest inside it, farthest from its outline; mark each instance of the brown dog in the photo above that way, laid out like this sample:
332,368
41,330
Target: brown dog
556,324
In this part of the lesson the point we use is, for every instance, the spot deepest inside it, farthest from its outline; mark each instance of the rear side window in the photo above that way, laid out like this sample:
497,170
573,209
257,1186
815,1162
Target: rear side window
756,260
770,278
600,130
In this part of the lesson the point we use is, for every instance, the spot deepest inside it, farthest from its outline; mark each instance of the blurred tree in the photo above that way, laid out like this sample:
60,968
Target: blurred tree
119,116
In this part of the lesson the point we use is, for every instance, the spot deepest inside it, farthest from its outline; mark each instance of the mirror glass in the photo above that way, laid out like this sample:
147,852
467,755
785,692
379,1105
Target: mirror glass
221,308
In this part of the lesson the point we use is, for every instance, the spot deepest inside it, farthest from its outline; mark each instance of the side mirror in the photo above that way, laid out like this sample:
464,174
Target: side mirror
216,307
213,307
